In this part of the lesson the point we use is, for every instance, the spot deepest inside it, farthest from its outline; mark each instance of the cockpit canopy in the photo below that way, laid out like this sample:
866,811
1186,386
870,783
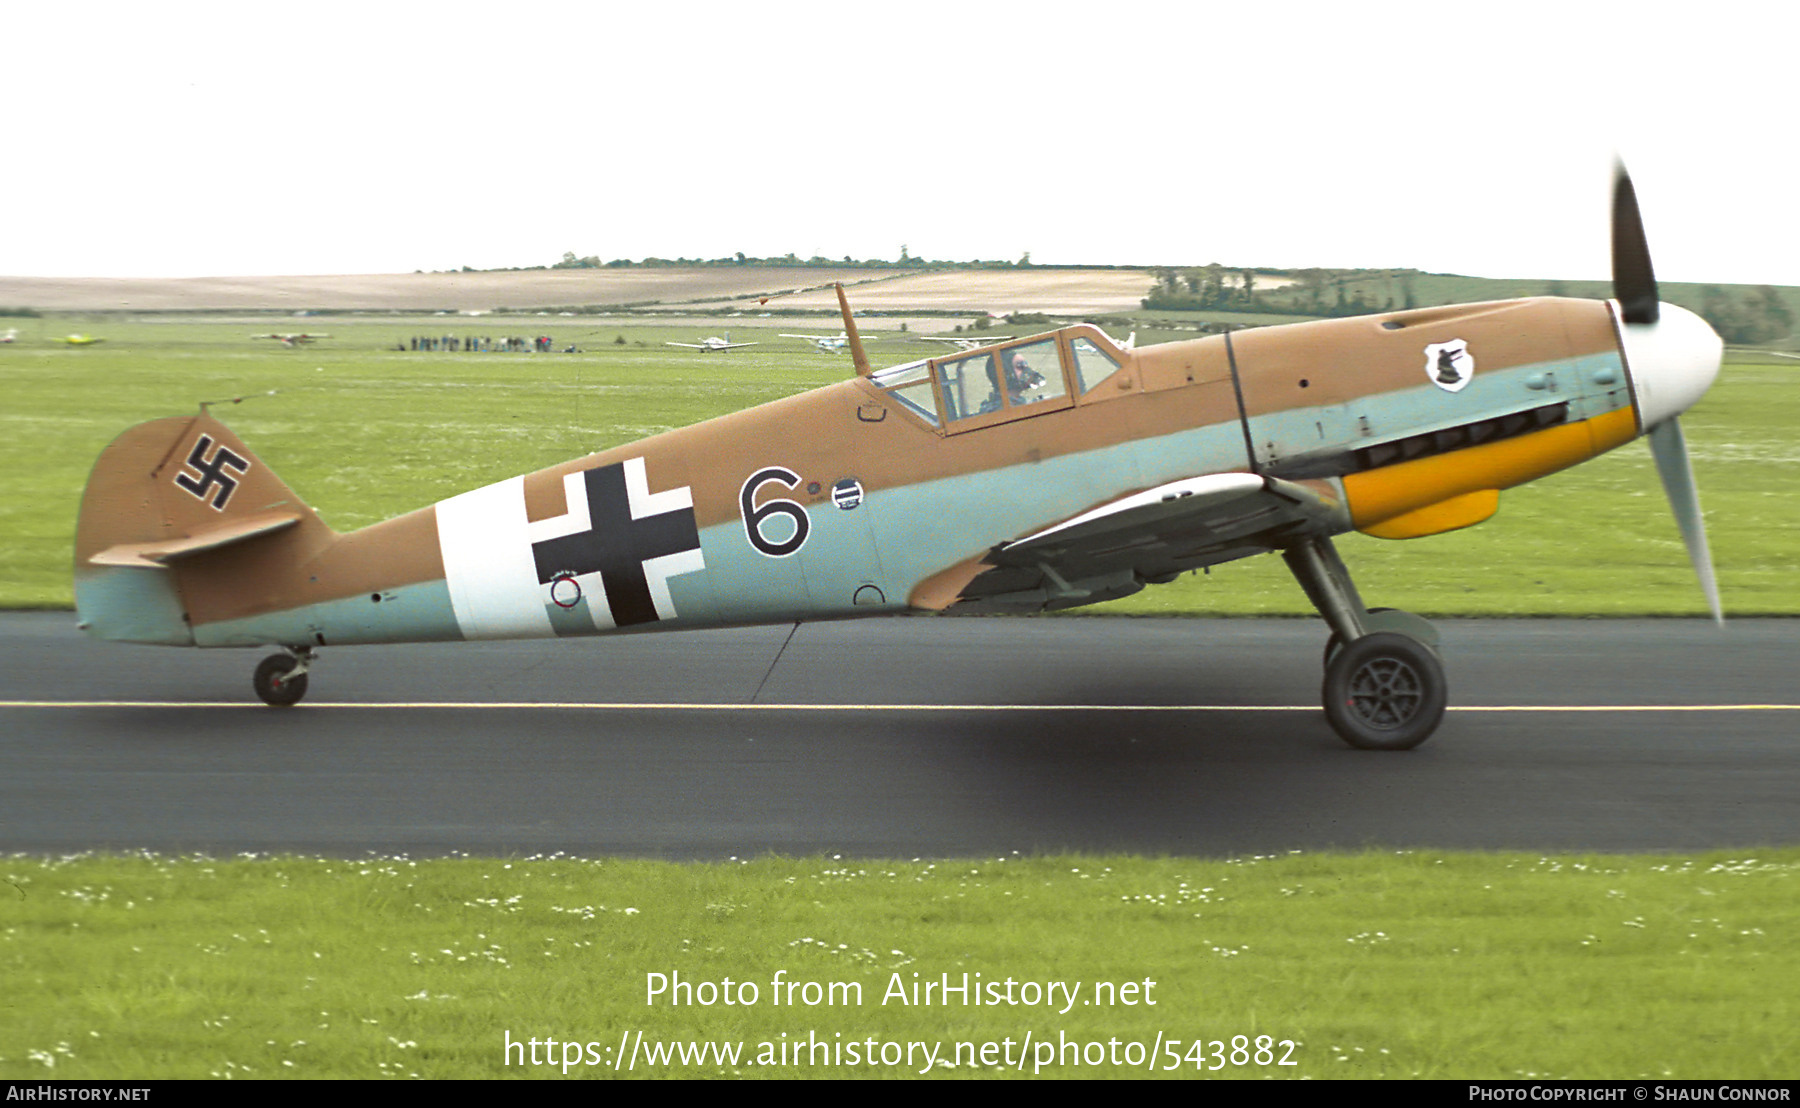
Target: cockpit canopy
995,384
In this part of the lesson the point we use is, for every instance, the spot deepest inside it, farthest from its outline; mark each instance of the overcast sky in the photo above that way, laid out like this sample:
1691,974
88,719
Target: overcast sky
188,139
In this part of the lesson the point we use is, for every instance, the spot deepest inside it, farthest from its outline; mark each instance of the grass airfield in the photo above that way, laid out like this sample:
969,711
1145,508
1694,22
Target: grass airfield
1376,965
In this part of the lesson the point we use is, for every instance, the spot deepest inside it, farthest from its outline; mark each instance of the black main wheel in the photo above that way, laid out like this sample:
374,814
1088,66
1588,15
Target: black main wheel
1385,692
273,684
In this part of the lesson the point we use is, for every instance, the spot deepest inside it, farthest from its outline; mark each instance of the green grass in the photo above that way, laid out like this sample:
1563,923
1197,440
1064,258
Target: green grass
365,432
1411,964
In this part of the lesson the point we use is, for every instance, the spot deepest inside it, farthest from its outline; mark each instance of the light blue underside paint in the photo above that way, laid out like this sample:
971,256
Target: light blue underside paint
126,604
407,613
1302,432
742,585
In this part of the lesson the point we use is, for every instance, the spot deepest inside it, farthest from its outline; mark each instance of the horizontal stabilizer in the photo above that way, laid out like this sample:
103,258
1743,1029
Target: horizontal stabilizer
160,553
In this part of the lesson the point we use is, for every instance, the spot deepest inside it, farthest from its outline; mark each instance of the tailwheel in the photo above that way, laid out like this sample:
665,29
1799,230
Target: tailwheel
1385,691
277,681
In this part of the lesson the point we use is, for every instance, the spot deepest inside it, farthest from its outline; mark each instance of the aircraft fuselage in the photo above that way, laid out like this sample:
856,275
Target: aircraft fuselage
879,496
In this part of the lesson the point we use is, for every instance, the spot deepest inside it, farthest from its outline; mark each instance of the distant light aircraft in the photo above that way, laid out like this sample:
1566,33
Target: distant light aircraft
292,339
11,334
827,344
80,340
712,345
970,343
973,342
1042,473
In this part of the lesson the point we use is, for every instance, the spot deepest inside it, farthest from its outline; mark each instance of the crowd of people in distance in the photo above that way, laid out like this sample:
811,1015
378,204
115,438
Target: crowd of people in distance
483,344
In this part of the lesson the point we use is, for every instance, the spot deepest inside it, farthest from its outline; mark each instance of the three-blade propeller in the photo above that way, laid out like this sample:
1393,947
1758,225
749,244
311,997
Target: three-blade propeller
1634,285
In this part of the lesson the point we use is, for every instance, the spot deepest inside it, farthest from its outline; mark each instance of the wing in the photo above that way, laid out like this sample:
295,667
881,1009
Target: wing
689,345
735,345
1150,537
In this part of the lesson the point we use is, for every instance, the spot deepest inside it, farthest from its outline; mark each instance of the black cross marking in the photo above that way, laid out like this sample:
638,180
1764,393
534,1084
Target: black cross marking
213,472
617,546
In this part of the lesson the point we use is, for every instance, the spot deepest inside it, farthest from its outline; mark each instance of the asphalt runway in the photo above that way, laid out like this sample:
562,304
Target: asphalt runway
902,738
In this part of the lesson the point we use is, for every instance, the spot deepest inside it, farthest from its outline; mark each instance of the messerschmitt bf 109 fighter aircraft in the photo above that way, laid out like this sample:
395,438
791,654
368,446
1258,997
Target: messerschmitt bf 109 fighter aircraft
1039,473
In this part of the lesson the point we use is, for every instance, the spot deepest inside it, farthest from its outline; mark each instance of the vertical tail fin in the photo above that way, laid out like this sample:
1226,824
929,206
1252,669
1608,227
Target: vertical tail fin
162,494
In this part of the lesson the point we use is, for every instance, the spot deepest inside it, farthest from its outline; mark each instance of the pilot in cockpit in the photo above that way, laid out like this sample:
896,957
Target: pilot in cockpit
1021,379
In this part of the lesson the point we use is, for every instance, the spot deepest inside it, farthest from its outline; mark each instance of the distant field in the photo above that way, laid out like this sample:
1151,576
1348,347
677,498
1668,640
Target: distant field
1098,291
1051,291
415,291
365,431
751,290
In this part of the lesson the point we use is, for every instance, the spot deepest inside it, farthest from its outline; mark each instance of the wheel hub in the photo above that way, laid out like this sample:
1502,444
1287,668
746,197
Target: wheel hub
1385,693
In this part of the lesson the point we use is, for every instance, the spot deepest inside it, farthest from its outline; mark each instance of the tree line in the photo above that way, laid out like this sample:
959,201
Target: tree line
1759,315
1309,292
790,261
1747,316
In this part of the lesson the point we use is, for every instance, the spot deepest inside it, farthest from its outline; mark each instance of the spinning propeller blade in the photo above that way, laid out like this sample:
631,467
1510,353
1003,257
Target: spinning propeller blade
1669,447
1634,282
1673,357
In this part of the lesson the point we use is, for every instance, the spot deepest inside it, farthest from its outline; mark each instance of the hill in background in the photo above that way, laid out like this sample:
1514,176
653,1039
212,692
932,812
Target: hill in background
1211,295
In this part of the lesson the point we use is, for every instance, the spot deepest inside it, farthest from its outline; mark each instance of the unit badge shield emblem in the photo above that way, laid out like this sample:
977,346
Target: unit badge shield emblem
1449,365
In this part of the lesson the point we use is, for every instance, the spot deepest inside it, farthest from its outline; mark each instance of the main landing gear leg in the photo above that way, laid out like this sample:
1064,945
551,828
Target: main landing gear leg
1384,685
281,678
